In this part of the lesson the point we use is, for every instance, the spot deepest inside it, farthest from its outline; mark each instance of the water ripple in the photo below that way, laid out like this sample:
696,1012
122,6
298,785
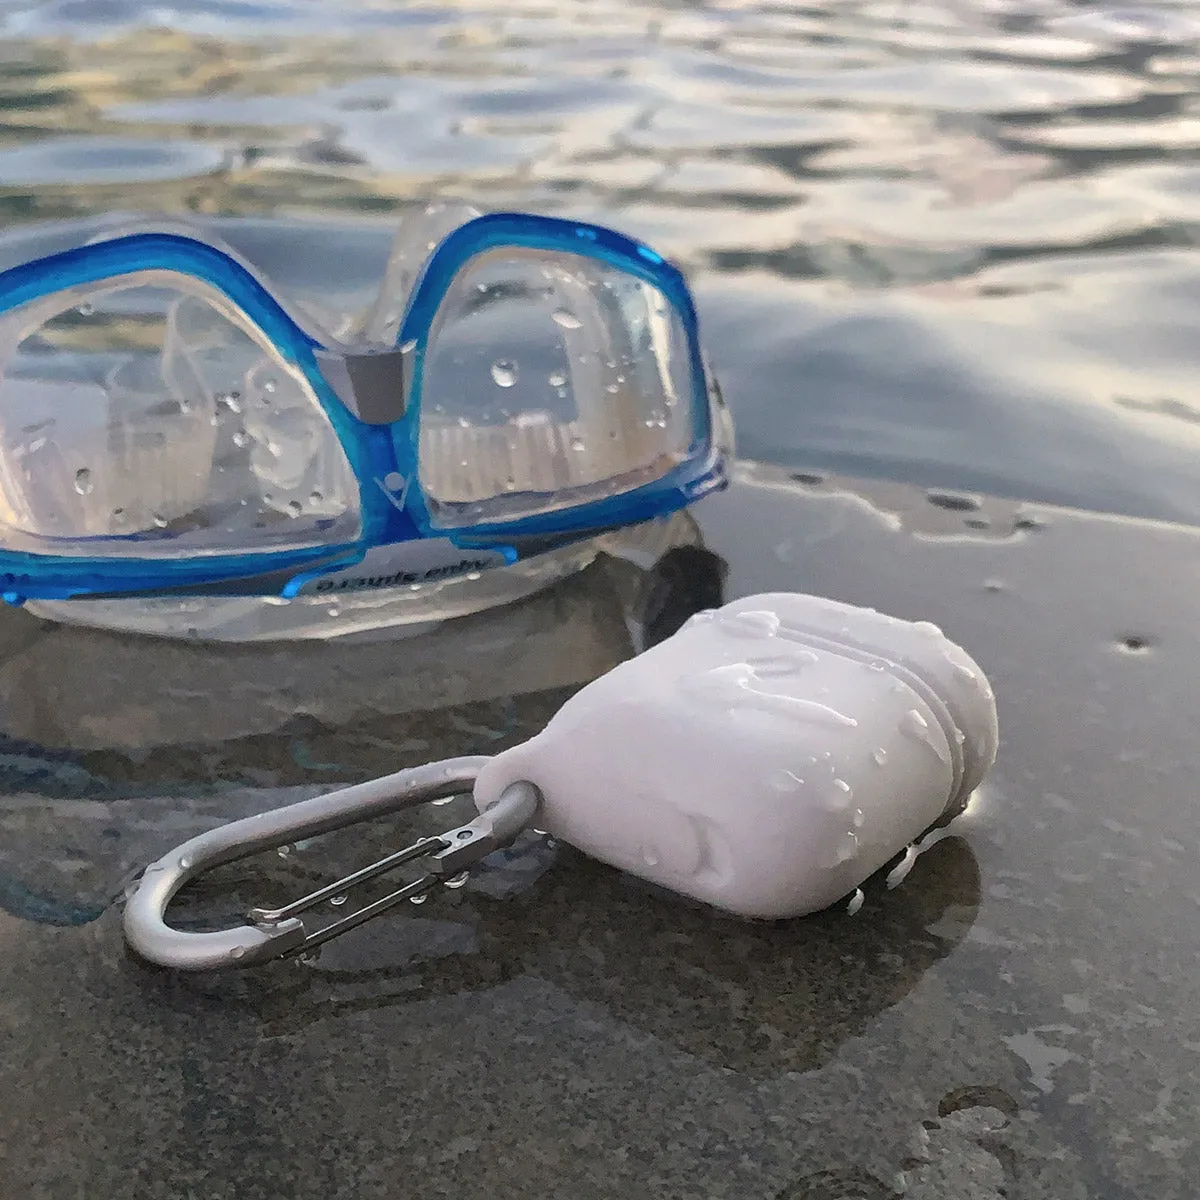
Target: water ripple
1003,180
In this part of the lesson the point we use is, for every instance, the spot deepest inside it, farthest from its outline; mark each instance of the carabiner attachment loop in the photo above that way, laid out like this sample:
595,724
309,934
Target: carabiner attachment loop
275,933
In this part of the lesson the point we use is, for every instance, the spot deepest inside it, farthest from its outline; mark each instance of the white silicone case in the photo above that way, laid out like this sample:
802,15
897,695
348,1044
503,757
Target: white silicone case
768,757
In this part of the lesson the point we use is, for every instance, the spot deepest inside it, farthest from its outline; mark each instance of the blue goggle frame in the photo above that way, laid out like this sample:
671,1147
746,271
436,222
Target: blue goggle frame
375,451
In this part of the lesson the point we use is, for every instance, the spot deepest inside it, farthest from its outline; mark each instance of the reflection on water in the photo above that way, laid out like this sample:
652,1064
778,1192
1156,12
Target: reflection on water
739,995
950,242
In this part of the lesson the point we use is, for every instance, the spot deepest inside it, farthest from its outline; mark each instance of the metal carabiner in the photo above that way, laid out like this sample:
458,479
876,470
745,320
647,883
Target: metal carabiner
274,933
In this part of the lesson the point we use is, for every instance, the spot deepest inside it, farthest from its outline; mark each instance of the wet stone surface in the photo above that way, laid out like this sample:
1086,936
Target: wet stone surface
1014,1019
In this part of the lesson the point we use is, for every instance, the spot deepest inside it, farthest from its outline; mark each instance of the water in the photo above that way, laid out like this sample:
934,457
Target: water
949,242
948,247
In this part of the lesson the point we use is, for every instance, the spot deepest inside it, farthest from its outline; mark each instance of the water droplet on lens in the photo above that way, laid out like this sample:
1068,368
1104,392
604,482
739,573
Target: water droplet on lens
457,881
86,309
880,756
504,373
420,899
510,484
184,863
566,319
334,611
315,498
786,781
294,508
856,901
859,818
964,672
337,901
241,438
472,576
441,801
650,856
230,400
160,522
83,481
237,952
409,346
269,385
284,851
577,444
557,379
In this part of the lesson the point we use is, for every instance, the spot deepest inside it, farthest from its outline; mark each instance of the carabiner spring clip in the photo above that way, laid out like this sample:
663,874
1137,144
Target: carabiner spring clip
275,933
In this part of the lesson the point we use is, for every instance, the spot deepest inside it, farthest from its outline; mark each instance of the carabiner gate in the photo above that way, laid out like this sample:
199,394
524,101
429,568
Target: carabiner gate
274,933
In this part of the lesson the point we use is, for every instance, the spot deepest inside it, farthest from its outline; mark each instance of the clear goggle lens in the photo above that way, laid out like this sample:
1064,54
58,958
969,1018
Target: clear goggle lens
146,416
549,380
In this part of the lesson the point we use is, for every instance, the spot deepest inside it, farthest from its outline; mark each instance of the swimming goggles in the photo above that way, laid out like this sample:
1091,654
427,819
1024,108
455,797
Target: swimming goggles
169,426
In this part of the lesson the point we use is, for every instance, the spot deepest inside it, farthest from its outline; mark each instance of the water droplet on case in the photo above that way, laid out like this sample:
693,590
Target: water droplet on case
844,849
83,481
750,624
898,874
856,901
915,727
839,795
457,881
237,952
337,901
784,780
420,898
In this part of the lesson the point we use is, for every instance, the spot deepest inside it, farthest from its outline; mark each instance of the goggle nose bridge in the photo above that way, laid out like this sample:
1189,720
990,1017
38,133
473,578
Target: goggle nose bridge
373,384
